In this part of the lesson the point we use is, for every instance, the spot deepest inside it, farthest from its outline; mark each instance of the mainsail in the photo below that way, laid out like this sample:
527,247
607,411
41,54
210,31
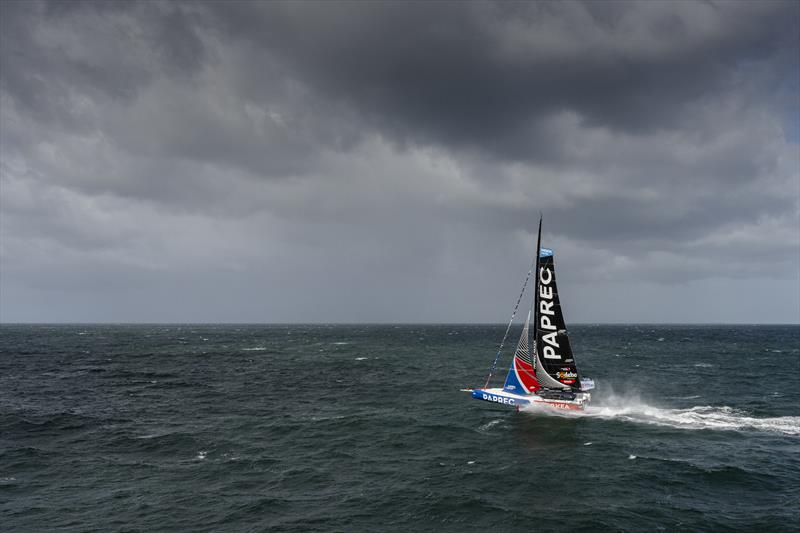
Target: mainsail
521,377
555,364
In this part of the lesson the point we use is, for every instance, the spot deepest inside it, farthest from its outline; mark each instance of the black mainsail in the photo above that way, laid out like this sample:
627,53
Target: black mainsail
555,365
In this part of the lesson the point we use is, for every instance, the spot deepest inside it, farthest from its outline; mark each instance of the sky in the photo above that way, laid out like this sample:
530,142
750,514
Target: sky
387,162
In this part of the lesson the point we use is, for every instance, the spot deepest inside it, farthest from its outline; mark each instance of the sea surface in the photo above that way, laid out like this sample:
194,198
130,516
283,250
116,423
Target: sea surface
363,428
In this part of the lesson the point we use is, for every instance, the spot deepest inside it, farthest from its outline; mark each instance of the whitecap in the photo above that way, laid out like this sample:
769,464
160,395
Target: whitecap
254,349
201,455
361,358
490,424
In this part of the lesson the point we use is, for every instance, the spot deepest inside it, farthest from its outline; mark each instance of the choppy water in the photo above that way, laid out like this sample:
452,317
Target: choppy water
363,428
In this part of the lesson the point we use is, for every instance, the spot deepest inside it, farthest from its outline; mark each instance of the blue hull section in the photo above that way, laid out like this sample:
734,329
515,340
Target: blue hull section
502,397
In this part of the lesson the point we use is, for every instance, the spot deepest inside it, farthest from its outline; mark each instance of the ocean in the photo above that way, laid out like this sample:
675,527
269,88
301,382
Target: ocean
296,428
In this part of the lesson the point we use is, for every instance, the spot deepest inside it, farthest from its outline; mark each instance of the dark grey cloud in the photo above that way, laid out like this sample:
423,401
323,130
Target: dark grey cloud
484,75
52,53
386,161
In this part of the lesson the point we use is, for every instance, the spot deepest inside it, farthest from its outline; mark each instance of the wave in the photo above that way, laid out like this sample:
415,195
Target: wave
490,424
697,417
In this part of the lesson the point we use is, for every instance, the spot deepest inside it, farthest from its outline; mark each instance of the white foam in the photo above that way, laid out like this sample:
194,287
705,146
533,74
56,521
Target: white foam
201,455
361,358
632,409
340,343
490,424
255,349
697,417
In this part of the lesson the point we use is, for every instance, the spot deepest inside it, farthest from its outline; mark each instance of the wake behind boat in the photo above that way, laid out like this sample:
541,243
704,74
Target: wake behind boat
549,375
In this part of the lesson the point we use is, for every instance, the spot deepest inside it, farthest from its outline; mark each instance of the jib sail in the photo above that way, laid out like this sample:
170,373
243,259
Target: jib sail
521,377
555,365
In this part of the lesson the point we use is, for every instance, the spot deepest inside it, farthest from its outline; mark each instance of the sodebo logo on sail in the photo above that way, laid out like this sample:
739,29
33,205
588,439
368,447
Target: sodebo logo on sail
545,312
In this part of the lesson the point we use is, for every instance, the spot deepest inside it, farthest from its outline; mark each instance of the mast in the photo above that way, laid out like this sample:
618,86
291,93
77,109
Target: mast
535,302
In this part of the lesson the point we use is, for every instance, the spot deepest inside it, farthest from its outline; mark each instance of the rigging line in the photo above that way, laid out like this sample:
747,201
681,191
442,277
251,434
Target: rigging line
500,349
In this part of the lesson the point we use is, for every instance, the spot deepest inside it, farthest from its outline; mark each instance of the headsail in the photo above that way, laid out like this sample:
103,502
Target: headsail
521,377
555,364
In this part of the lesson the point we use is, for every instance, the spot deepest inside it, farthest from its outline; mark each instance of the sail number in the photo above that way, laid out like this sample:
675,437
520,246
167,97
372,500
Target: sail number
545,312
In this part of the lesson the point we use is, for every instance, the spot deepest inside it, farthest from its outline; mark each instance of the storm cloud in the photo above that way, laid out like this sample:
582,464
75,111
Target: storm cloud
387,161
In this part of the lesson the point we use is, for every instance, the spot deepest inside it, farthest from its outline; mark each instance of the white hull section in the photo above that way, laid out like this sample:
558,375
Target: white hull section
498,395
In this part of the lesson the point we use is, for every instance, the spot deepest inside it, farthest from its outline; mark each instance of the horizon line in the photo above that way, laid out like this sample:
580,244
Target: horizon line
91,323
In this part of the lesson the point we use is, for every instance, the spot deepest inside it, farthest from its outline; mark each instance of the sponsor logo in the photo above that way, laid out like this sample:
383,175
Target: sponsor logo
567,376
561,405
498,399
546,311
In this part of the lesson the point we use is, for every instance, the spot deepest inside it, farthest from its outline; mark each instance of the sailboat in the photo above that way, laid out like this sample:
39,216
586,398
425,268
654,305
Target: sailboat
547,375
